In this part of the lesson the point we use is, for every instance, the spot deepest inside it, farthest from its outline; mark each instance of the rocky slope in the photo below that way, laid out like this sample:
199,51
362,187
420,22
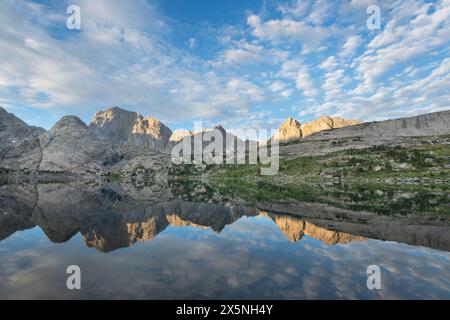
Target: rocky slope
19,143
68,145
425,128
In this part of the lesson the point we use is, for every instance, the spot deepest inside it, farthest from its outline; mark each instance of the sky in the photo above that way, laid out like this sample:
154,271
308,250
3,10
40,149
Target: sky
241,64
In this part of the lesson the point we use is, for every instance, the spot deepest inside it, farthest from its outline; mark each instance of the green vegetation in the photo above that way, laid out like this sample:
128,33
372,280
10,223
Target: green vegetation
379,162
381,179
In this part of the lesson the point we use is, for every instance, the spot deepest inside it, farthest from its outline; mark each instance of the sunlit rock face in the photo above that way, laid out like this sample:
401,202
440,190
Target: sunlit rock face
19,142
294,229
326,123
179,134
119,126
176,221
292,130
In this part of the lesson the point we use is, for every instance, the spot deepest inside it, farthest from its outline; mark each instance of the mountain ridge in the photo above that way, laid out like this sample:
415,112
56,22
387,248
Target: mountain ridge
117,139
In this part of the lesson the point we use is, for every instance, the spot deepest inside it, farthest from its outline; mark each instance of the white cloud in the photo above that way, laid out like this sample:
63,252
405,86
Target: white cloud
329,63
277,86
410,32
192,43
243,53
33,44
297,71
287,30
351,44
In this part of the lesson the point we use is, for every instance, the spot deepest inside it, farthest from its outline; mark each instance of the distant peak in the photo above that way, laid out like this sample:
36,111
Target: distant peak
115,109
70,120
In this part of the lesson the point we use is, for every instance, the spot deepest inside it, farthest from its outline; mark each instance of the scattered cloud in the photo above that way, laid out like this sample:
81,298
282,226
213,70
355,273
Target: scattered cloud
315,54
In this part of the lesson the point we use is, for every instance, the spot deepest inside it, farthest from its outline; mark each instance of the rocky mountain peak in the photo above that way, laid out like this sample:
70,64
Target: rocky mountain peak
120,126
289,130
71,122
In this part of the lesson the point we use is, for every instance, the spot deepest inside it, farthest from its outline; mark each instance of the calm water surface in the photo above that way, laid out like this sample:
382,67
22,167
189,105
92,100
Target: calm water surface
174,249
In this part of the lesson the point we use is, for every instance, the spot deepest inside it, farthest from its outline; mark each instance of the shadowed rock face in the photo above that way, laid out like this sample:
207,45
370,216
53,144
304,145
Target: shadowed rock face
19,143
70,144
109,218
119,126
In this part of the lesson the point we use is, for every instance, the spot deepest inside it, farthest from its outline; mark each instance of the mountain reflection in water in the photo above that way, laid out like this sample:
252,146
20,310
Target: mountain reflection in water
182,249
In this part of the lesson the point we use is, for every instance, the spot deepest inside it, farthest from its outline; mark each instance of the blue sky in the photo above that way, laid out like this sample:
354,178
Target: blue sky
243,64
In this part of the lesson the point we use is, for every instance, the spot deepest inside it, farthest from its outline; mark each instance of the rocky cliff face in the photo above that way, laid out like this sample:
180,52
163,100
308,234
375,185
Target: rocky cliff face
292,130
19,142
119,126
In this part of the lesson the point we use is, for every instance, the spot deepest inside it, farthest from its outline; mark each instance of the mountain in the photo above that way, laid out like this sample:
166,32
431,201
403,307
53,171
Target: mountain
19,142
206,136
70,144
292,130
402,131
119,126
120,140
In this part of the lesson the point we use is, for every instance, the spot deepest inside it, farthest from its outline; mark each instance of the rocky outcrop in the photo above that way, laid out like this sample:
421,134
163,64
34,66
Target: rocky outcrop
19,143
326,123
119,126
292,130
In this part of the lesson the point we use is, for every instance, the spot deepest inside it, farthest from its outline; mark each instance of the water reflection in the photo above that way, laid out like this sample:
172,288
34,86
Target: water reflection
184,249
